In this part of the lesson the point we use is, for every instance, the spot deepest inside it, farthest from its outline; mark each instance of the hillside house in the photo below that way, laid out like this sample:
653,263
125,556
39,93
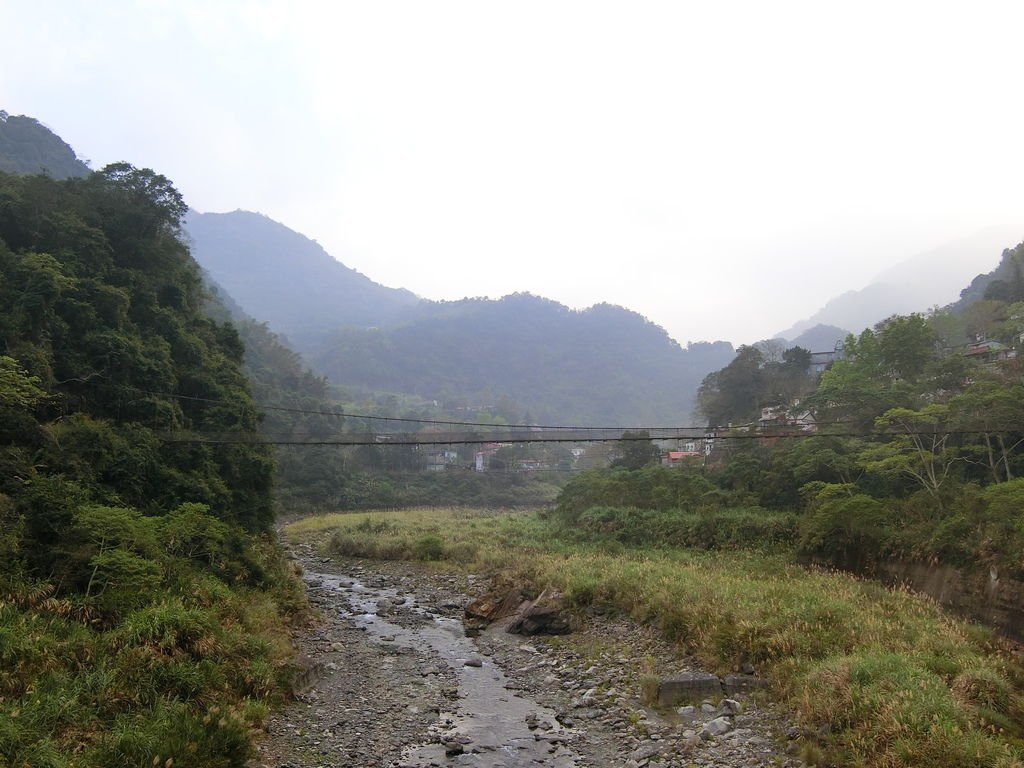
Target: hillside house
675,458
439,461
989,352
822,360
778,416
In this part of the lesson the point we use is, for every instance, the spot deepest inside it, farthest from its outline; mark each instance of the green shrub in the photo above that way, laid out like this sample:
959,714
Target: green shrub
734,528
428,548
842,525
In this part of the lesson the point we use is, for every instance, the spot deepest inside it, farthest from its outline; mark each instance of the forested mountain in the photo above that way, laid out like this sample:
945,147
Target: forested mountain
137,588
604,365
929,279
28,146
1002,283
820,338
288,280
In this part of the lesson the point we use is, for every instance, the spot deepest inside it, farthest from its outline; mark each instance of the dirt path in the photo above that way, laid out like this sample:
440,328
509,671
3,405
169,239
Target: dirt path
395,682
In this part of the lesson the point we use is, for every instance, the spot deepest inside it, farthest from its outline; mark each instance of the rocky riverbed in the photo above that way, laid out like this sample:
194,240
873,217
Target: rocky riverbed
394,681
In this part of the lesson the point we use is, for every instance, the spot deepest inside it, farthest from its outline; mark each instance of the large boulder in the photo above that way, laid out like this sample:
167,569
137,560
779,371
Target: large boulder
688,688
544,616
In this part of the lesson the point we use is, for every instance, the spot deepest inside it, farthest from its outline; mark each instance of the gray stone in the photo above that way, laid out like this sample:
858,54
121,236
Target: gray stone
740,683
645,752
688,713
730,707
689,687
589,698
717,727
474,661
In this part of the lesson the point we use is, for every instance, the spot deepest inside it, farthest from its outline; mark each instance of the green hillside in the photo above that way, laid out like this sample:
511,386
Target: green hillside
28,146
138,591
604,365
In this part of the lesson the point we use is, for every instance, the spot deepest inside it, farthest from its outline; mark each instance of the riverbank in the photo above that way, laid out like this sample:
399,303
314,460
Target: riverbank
394,681
874,676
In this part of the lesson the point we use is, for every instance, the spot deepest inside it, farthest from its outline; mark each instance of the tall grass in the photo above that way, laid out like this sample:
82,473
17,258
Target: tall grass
882,677
182,679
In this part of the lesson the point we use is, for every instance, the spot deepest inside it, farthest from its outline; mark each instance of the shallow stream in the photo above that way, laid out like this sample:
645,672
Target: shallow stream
493,726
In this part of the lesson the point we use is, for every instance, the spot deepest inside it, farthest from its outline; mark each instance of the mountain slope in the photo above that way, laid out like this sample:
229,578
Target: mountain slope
820,338
28,146
915,285
603,365
286,279
1005,282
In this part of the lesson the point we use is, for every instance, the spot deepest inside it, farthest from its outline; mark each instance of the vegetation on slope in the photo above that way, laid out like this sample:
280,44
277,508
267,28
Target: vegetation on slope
141,601
300,406
28,146
601,366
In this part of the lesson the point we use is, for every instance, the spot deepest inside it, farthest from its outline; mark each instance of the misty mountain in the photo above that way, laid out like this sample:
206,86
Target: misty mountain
603,365
1006,279
286,279
820,338
28,146
915,285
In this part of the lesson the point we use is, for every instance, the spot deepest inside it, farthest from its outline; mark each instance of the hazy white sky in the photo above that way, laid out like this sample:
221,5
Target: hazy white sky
722,168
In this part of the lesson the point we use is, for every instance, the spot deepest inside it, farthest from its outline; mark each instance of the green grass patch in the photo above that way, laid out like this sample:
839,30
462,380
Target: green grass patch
183,672
898,682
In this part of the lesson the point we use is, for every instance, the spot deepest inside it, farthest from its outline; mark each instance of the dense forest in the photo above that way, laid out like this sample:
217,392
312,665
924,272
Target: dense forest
600,366
298,405
138,591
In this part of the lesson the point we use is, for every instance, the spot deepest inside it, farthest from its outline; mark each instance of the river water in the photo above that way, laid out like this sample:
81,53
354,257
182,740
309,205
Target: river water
492,725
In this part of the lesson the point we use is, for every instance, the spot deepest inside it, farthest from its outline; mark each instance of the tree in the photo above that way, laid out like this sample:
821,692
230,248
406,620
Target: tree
992,408
907,344
982,317
920,449
843,525
636,450
19,390
733,393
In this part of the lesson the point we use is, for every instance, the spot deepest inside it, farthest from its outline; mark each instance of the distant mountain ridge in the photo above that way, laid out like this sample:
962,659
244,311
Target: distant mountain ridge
28,146
286,279
605,365
928,279
1007,274
820,338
